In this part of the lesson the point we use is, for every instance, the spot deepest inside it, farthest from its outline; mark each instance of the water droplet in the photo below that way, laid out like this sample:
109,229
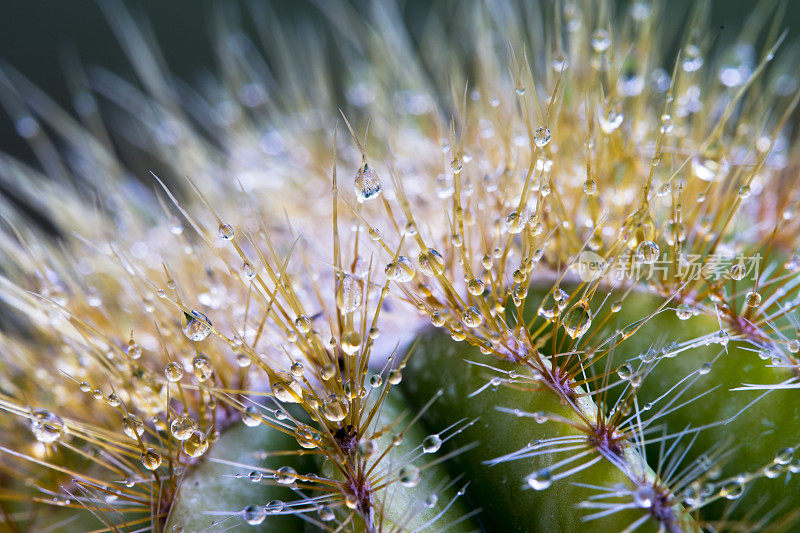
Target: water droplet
134,350
541,137
752,299
286,391
327,371
46,426
350,341
732,490
793,346
515,223
334,410
643,497
203,369
173,371
711,165
248,271
590,186
431,444
132,426
600,40
225,231
349,293
476,287
704,369
251,416
196,326
683,311
196,445
471,317
409,475
285,475
326,513
625,371
578,320
275,506
182,427
305,437
151,459
400,270
540,480
431,263
784,456
647,252
744,192
254,514
367,184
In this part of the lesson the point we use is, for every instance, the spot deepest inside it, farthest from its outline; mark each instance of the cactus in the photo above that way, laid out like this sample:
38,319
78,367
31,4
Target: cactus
533,274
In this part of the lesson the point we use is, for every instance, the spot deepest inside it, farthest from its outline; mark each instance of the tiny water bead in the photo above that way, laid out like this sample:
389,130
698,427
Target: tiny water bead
647,252
793,346
744,192
400,270
409,475
134,350
644,496
784,456
590,187
305,437
431,444
302,323
541,137
225,231
738,271
297,369
375,381
540,480
196,326
203,369
173,371
625,371
275,506
752,299
182,427
578,320
683,311
349,292
254,515
151,459
248,270
367,184
46,426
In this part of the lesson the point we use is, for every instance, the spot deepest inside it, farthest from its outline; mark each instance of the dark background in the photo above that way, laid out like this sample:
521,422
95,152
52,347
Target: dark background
34,35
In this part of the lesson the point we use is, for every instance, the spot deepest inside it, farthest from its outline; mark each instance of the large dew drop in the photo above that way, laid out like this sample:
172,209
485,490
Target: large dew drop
46,426
196,326
578,320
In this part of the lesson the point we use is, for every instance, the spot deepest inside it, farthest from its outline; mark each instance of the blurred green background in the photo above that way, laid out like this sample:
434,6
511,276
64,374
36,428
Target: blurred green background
36,34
